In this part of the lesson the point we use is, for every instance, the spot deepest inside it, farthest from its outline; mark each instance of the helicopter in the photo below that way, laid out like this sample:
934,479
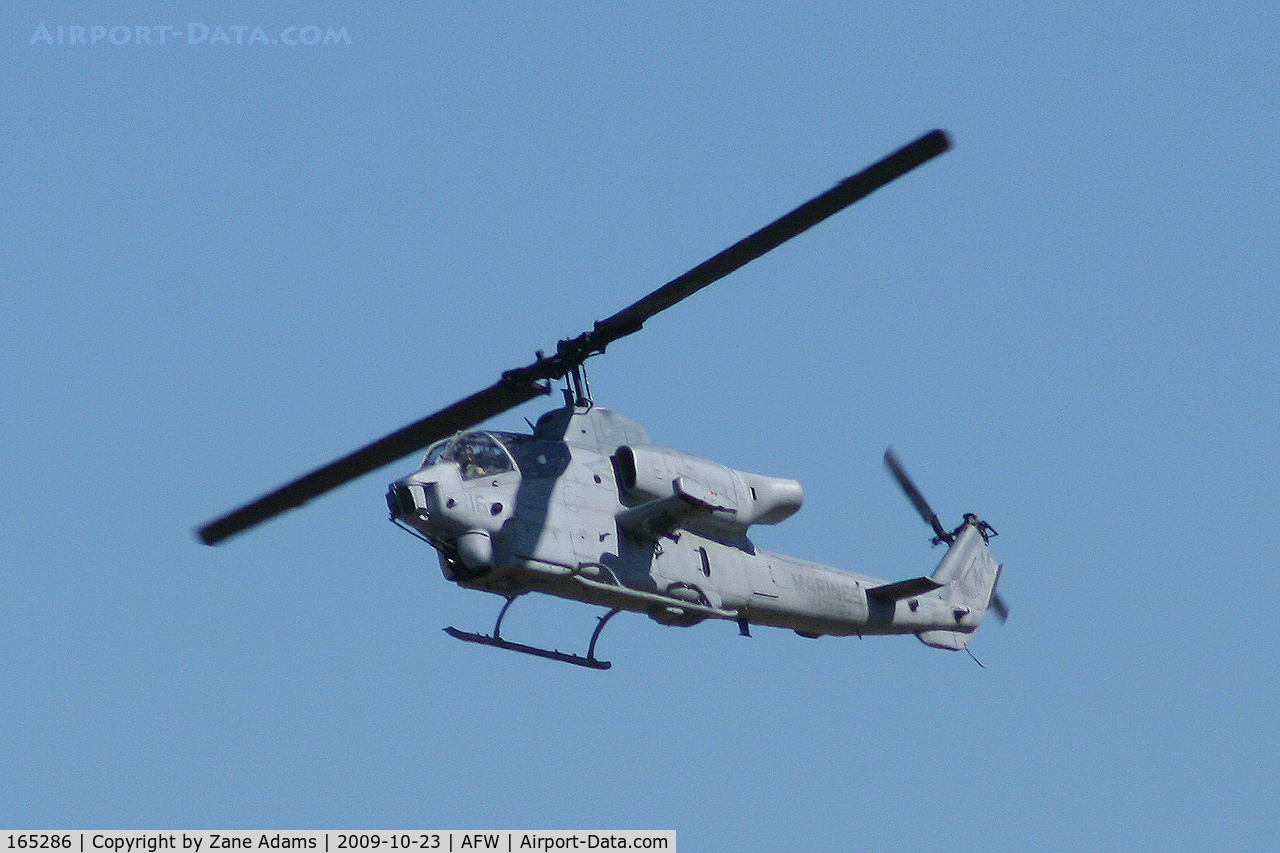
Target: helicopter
585,507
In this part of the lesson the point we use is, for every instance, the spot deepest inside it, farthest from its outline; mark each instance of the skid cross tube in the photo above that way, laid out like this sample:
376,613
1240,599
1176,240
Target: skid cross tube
590,661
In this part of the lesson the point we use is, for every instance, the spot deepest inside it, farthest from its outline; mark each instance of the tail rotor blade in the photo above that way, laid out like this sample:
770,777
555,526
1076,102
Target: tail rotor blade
997,604
999,607
913,494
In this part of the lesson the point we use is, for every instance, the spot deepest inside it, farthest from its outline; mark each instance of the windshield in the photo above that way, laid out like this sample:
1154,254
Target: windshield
476,454
483,454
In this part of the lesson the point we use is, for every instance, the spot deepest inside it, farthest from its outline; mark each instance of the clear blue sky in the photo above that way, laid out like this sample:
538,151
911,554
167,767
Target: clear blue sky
225,264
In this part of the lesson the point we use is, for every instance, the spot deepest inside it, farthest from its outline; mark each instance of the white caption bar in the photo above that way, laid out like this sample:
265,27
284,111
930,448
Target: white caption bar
333,841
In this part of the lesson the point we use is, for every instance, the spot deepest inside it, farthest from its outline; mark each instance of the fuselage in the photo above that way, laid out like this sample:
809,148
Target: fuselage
513,513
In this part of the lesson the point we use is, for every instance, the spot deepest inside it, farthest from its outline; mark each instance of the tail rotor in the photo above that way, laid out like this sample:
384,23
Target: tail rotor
941,534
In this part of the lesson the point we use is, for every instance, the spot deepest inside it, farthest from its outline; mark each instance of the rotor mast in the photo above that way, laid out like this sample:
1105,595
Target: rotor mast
581,387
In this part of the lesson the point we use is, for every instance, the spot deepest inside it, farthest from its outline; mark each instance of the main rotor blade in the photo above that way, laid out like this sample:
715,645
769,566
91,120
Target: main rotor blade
914,495
507,393
523,384
804,217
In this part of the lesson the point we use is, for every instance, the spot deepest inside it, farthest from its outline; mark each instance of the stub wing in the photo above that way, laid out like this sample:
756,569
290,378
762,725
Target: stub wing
691,500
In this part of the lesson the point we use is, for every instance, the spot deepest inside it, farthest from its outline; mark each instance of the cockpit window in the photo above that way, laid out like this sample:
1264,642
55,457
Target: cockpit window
484,454
476,454
536,457
436,453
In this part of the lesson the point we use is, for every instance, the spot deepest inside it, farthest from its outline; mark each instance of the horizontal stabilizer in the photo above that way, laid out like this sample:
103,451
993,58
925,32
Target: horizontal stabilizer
891,592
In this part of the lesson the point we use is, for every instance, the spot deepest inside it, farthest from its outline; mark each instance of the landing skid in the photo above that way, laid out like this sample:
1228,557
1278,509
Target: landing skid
590,661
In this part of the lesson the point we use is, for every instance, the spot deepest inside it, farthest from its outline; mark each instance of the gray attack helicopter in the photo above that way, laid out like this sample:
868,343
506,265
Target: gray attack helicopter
587,508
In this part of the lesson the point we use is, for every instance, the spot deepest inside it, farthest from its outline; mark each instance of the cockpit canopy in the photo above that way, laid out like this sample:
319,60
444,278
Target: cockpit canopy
477,454
487,454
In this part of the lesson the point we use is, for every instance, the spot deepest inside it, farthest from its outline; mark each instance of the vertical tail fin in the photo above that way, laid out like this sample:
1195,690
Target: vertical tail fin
968,572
